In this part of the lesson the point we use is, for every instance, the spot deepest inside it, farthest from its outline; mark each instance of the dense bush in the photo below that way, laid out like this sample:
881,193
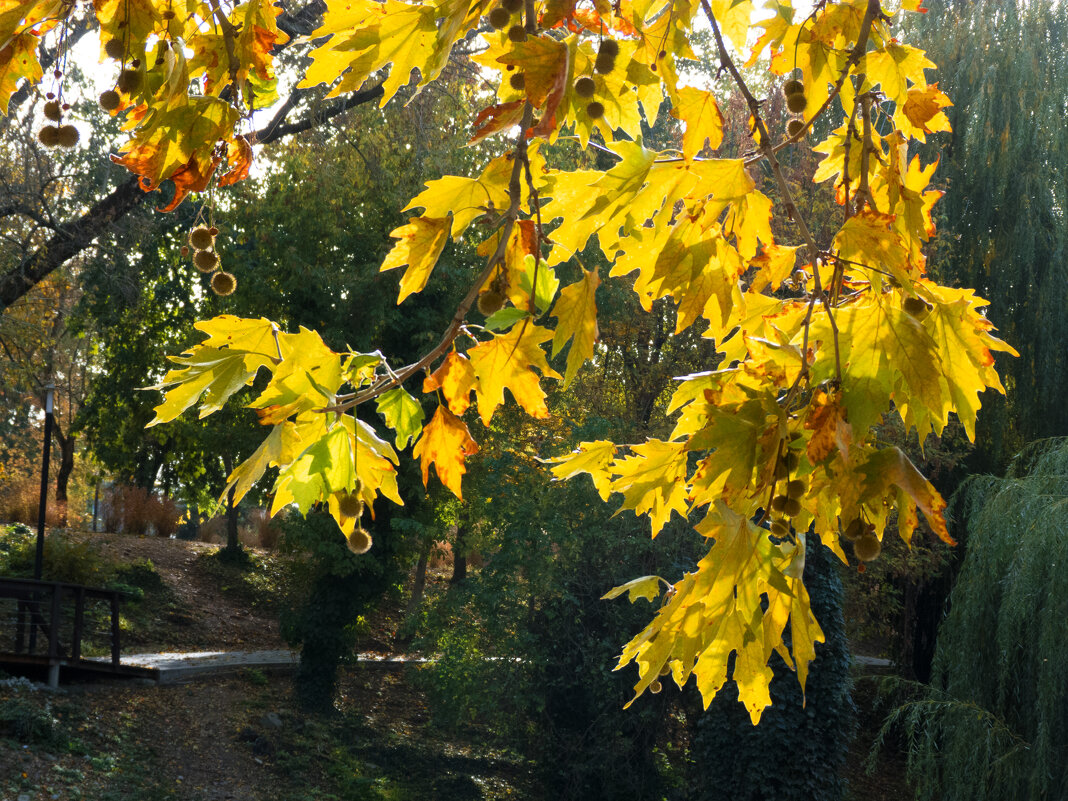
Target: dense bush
994,724
797,751
135,510
76,561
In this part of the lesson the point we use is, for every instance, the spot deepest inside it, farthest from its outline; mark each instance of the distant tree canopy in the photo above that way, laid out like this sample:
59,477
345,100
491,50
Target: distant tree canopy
1003,225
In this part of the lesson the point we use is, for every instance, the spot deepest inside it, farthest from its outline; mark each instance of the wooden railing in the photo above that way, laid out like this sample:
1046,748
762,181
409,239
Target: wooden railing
45,623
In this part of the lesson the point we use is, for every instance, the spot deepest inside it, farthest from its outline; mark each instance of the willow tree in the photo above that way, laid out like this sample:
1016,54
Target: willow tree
1002,224
995,724
818,337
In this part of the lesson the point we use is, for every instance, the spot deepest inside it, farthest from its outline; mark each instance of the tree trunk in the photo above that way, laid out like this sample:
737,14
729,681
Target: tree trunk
233,544
405,634
66,467
459,556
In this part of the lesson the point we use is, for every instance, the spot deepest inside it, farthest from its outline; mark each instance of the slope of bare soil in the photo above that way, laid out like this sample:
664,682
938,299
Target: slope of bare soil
202,614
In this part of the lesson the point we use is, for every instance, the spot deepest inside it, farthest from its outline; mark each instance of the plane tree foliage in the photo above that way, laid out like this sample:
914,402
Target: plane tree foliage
816,339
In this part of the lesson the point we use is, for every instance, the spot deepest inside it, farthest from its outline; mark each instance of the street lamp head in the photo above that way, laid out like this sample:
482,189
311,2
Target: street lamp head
50,392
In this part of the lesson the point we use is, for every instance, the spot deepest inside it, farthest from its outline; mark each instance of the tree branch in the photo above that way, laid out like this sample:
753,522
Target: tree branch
73,237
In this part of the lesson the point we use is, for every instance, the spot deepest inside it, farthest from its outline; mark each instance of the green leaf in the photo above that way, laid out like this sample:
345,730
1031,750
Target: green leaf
403,414
503,319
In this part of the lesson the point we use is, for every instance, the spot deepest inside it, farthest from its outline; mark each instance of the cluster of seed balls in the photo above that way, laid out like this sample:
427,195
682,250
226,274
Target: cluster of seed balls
796,101
586,86
500,17
205,259
57,135
788,504
129,79
350,505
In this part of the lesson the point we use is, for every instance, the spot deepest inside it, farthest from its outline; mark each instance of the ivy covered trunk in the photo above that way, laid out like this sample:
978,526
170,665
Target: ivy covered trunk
808,733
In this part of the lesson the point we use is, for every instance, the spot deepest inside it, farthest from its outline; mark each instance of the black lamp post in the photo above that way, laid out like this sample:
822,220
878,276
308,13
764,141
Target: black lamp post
39,560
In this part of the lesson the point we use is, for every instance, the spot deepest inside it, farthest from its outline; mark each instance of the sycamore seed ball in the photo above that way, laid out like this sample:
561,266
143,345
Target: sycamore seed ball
795,128
792,460
350,504
49,135
792,507
185,250
200,238
115,49
793,87
359,541
604,63
517,81
867,547
780,529
854,530
585,86
778,503
109,100
499,18
665,669
796,103
223,283
656,687
205,260
609,47
490,301
917,307
517,33
52,110
129,81
595,110
513,6
795,488
68,136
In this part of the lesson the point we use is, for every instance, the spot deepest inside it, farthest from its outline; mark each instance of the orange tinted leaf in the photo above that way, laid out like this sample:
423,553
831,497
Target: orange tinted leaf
240,154
445,443
456,379
496,118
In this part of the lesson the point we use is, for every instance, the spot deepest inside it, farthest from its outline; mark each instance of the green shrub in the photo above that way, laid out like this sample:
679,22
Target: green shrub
28,722
71,561
797,750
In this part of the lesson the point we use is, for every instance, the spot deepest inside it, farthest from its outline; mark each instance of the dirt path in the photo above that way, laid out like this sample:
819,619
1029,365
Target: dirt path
203,616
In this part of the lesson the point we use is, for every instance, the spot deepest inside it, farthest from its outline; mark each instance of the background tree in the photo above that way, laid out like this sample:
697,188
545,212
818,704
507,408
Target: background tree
1002,220
993,723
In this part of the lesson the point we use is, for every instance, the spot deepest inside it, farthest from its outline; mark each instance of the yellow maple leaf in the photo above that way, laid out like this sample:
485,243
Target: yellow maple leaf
18,60
653,481
576,314
420,244
445,443
774,265
590,457
698,110
894,67
505,362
